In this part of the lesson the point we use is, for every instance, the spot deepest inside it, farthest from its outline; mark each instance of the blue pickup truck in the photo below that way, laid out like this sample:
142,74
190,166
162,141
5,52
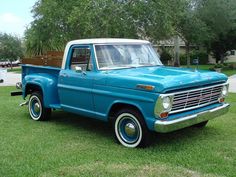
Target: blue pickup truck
123,81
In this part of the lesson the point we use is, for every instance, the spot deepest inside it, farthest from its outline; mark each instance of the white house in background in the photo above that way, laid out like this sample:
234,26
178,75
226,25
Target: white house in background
169,44
231,57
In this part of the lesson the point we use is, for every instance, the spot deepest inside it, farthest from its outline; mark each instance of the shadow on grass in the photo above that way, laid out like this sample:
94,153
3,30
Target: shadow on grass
104,129
79,122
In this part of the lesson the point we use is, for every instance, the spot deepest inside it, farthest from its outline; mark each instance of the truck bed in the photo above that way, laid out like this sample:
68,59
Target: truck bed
46,77
52,58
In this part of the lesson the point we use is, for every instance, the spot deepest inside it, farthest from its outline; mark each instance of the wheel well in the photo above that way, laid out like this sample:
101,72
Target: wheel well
118,106
30,88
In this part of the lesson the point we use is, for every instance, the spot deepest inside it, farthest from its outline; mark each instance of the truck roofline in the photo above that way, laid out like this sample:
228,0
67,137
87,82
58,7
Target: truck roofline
99,41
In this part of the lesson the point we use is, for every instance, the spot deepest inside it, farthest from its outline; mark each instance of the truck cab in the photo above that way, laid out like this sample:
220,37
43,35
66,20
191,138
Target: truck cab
122,81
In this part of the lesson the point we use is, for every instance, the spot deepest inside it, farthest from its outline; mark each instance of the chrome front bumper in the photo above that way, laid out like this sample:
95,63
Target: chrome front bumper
168,126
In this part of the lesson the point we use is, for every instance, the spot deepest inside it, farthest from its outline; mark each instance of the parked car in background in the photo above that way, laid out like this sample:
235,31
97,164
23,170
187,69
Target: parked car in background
123,81
16,63
5,63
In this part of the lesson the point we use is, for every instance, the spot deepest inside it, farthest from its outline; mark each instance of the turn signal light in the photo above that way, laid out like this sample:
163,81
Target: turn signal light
164,115
221,100
145,87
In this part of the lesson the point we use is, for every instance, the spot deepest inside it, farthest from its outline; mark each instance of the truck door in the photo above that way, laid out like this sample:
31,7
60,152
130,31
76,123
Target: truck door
76,81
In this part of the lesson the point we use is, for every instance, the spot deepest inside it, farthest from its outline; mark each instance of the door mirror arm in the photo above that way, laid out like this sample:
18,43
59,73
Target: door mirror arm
78,69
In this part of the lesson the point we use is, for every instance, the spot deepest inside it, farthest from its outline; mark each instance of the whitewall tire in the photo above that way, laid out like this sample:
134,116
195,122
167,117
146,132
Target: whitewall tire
130,129
36,107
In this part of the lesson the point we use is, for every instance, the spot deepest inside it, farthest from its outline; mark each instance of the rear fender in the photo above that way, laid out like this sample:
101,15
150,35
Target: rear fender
44,82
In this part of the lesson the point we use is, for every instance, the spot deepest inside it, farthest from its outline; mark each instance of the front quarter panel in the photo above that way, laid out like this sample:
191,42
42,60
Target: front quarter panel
105,96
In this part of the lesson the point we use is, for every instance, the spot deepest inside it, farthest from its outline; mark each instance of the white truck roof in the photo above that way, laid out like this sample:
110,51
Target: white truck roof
100,41
106,41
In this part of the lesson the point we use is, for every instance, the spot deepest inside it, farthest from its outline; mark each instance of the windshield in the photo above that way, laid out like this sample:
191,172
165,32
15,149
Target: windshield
126,56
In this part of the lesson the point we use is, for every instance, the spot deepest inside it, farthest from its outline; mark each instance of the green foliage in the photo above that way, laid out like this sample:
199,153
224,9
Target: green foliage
10,47
201,55
165,55
220,18
209,23
232,65
57,22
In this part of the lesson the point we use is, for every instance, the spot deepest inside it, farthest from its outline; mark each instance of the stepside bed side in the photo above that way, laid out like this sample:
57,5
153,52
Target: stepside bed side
41,78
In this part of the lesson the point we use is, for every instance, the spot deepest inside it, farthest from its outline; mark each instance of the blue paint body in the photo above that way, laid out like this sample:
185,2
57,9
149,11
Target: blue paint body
93,94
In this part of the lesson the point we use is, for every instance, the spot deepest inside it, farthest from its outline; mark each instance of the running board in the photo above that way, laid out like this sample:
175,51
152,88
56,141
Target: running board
16,93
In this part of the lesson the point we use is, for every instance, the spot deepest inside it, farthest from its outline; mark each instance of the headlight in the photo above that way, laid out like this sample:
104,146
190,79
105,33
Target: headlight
166,103
224,90
163,105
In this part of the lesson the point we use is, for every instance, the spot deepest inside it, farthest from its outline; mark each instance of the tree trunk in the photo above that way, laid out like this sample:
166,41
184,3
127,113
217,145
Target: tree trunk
188,54
176,56
222,58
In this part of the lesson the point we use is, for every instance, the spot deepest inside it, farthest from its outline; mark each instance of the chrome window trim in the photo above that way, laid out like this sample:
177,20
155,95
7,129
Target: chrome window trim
118,43
95,57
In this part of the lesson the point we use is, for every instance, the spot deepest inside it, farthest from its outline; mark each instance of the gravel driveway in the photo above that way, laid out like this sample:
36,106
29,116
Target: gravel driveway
11,79
232,83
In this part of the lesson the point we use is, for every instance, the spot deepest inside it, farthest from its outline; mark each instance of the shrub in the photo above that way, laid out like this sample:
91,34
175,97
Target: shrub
232,65
165,56
219,65
201,55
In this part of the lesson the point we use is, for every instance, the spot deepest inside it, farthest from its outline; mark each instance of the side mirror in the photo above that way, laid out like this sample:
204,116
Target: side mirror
78,69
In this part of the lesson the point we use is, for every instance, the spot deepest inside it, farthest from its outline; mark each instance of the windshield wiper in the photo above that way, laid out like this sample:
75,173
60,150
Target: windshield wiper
147,64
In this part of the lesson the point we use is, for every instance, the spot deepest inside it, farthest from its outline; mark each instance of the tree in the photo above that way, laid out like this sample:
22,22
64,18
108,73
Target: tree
56,22
220,18
167,19
191,29
10,47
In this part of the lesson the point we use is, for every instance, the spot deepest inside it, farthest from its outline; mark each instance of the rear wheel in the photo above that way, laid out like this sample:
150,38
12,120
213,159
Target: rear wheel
36,107
201,125
130,129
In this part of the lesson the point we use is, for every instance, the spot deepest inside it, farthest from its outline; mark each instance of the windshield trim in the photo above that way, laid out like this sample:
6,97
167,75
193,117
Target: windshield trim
115,68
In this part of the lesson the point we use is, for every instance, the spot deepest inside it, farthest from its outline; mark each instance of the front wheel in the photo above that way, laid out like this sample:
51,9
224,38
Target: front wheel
130,129
36,107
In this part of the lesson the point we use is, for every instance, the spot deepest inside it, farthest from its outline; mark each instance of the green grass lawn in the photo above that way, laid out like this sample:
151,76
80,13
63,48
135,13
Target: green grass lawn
15,70
70,145
228,72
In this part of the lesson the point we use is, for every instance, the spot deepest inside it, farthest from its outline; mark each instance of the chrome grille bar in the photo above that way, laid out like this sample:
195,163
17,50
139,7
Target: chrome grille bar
196,98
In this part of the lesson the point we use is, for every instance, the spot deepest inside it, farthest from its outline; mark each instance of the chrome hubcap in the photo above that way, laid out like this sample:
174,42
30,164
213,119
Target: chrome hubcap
36,108
130,129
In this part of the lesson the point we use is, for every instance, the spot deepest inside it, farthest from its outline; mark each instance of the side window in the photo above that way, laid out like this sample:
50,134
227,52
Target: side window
81,57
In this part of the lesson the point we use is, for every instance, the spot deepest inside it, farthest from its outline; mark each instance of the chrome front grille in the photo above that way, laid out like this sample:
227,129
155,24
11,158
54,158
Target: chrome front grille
196,98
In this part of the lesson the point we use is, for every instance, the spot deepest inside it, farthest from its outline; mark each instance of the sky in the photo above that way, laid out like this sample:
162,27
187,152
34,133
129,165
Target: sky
15,16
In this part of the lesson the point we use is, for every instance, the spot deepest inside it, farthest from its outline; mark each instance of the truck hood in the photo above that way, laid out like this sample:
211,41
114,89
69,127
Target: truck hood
164,79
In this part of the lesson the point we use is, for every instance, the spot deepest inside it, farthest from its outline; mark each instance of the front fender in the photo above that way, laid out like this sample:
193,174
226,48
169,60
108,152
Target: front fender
48,85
